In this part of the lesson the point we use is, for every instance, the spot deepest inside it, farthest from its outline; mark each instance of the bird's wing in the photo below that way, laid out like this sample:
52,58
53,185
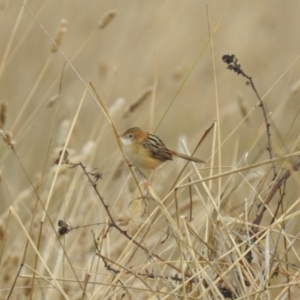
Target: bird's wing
157,148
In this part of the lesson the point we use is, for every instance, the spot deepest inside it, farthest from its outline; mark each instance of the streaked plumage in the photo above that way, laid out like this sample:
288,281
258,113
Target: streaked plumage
147,151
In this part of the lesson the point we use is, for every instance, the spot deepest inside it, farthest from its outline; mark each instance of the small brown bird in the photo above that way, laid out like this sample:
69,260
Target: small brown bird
147,151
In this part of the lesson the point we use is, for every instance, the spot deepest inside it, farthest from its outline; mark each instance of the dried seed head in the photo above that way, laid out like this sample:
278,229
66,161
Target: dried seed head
123,219
141,98
3,113
65,159
107,18
63,227
88,148
60,33
52,100
136,207
7,138
116,107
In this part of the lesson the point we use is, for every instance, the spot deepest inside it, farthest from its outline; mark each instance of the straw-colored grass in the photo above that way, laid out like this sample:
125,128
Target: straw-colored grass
75,219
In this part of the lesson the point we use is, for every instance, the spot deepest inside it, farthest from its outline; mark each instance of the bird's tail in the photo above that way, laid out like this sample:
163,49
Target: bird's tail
187,157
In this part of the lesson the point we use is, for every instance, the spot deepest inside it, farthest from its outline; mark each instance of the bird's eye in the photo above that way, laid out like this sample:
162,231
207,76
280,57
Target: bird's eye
131,136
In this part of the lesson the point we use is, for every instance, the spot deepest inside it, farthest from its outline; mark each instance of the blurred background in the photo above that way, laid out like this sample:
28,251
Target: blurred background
157,46
146,42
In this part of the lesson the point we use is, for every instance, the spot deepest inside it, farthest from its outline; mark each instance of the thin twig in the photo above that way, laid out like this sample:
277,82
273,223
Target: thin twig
115,225
231,61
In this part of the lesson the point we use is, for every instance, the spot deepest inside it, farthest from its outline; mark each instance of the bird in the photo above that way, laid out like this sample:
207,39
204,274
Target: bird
147,151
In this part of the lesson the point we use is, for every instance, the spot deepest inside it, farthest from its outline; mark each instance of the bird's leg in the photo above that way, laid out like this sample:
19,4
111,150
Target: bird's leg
147,183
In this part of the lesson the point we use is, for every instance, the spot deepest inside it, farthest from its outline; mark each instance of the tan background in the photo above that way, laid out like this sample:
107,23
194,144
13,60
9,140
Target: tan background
148,38
147,42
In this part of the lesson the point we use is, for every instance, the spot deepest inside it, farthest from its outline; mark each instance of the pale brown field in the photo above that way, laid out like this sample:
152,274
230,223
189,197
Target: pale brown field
186,238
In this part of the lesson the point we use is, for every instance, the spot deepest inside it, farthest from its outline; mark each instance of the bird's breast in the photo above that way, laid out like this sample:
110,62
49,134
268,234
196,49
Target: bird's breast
141,157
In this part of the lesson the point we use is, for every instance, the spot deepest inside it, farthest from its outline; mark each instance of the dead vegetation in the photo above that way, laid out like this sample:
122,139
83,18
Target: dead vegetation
75,221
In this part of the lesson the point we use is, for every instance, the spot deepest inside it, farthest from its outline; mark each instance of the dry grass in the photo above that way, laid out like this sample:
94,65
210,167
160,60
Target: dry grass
74,220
